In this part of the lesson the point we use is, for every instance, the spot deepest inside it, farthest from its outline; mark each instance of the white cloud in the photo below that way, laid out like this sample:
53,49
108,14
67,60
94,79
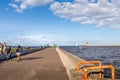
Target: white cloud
37,37
16,7
31,40
81,1
116,3
24,4
103,13
13,5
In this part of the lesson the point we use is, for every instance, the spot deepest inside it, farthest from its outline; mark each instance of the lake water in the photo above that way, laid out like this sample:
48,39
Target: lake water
109,55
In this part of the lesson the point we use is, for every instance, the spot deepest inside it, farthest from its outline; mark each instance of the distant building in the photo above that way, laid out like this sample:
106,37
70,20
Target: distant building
87,44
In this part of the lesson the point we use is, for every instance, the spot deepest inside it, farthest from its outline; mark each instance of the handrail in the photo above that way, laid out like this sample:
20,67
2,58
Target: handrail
89,62
99,67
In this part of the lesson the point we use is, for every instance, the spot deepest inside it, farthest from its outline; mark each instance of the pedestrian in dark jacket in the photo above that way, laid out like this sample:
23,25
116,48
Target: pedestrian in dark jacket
9,52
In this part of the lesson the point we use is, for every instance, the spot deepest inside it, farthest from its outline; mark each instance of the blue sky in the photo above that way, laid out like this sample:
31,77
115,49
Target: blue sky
34,22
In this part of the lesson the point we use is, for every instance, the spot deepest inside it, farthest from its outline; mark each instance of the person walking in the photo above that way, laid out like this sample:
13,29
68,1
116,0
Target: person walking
9,52
19,52
5,51
1,48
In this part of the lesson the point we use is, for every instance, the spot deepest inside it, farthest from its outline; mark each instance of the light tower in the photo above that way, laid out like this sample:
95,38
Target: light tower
87,44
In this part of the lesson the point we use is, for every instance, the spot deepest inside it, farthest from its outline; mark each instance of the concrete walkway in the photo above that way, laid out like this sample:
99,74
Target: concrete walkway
41,65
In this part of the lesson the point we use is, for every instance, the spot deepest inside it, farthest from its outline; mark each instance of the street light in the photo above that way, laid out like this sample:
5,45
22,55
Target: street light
53,38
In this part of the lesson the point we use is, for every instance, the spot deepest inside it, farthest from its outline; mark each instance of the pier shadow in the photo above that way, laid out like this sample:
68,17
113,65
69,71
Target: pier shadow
31,58
1,62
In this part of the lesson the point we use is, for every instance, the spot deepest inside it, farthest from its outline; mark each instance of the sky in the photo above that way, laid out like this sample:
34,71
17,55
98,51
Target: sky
65,22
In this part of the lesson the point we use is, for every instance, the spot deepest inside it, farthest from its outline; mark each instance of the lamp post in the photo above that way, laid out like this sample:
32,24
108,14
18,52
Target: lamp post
53,38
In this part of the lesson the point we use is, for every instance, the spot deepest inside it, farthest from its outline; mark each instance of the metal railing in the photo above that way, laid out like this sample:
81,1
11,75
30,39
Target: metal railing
89,62
92,68
99,67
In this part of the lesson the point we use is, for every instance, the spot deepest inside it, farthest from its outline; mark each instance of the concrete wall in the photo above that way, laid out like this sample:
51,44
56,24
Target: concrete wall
69,61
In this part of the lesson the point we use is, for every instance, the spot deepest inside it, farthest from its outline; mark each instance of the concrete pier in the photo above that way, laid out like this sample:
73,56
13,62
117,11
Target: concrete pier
42,65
